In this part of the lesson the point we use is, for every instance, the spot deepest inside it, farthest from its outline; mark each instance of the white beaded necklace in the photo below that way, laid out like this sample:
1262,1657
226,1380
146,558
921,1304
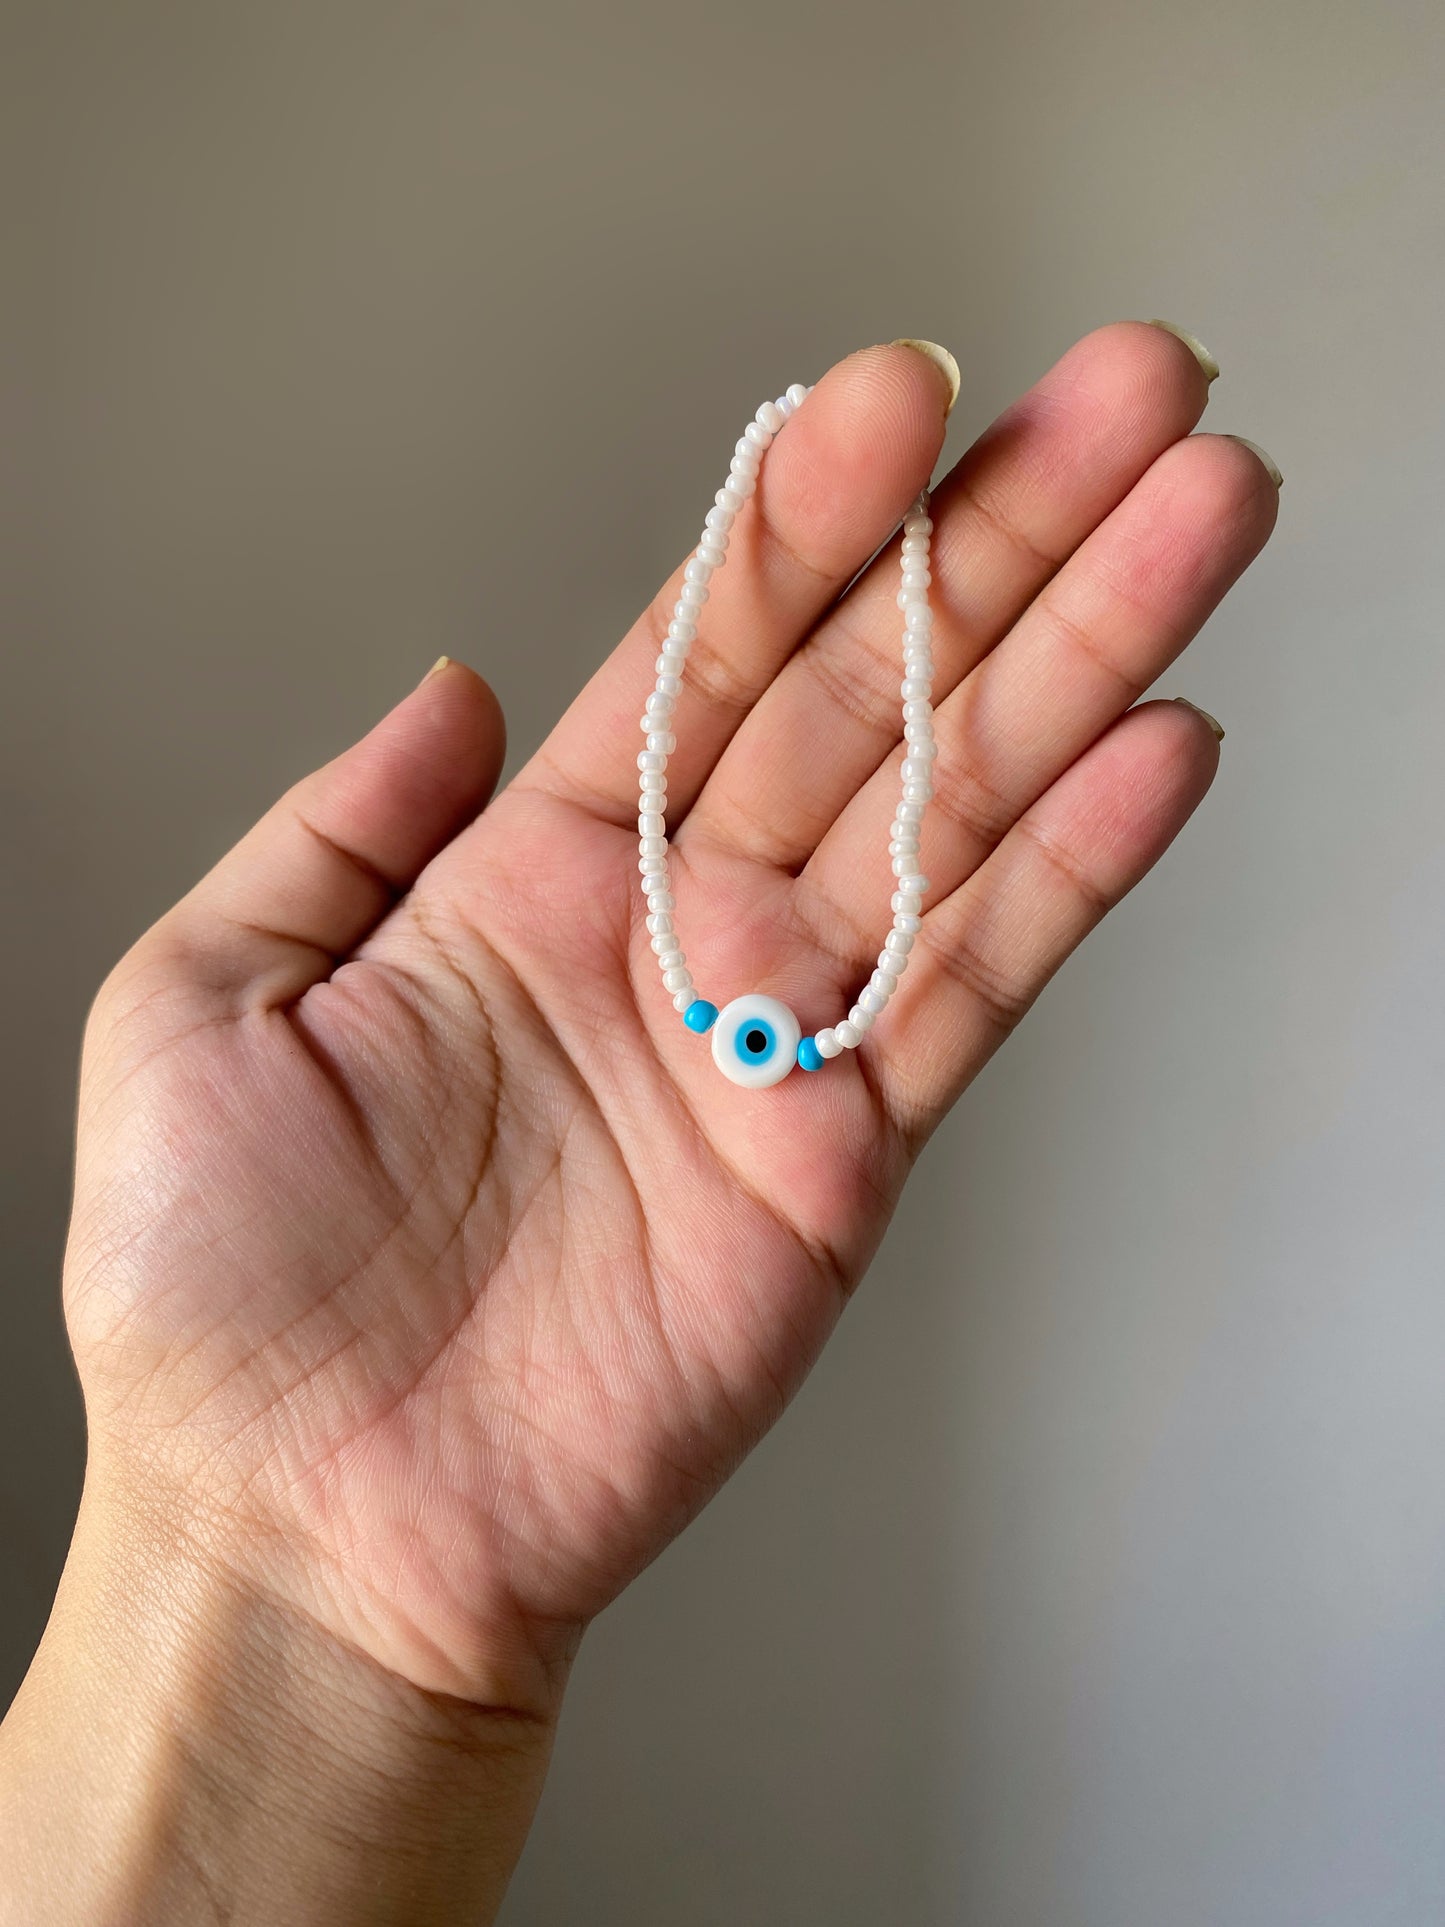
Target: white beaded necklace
756,1039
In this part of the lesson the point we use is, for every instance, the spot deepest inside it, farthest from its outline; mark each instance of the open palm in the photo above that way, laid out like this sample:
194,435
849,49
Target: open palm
423,1267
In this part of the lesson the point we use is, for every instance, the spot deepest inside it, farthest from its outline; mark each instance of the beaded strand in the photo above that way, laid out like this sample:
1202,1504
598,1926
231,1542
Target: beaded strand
756,1039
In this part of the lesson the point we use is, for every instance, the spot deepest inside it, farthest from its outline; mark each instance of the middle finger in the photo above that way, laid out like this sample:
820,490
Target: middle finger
1011,512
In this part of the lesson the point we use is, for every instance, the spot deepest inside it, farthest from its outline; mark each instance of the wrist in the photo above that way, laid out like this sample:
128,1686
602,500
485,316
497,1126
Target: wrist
186,1742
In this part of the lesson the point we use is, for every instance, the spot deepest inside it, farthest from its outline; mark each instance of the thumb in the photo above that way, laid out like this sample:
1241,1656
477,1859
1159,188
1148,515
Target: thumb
325,863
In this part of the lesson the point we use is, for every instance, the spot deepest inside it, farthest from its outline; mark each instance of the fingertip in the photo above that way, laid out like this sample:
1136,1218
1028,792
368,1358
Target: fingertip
942,360
1212,723
855,454
1169,751
1138,372
453,714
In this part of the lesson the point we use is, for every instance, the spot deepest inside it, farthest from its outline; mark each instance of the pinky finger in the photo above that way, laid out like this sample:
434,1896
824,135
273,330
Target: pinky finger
984,953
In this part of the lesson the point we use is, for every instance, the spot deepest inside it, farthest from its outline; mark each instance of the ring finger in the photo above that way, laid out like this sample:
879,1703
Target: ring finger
1089,646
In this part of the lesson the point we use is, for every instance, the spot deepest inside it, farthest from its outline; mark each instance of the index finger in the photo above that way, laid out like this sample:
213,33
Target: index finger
844,470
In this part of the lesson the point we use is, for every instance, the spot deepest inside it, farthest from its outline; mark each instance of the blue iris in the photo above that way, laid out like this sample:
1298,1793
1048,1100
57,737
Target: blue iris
756,1041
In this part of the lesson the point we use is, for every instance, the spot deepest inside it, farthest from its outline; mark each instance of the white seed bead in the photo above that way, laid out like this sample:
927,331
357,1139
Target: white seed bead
760,437
872,1002
659,923
898,940
771,417
908,921
860,1019
906,902
658,900
848,1035
652,846
662,739
677,979
684,998
798,394
881,983
827,1043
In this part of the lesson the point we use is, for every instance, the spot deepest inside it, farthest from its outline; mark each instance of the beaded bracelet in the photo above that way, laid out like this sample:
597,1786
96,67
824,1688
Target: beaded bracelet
756,1039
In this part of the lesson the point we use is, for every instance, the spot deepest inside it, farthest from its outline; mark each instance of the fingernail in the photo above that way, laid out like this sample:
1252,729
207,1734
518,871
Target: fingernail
1213,722
442,662
1268,460
1195,346
941,359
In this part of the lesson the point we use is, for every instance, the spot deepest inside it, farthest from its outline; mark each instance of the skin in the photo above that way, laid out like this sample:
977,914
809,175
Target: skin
425,1277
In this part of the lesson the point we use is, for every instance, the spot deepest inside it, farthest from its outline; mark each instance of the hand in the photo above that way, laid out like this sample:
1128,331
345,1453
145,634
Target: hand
425,1275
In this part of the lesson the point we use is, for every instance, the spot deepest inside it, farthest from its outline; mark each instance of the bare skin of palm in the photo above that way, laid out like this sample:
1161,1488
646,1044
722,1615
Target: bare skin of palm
425,1278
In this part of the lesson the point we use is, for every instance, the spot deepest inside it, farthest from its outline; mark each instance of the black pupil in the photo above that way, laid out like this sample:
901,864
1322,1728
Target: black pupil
756,1041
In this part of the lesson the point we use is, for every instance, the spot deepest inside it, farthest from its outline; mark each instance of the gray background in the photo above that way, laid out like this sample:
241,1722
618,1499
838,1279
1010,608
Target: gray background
1098,1577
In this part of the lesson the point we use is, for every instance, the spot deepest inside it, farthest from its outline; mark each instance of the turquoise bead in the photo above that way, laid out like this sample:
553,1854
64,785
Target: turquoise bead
809,1056
700,1015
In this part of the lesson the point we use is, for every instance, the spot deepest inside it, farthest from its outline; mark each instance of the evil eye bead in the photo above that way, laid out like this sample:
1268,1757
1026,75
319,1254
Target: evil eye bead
755,1041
